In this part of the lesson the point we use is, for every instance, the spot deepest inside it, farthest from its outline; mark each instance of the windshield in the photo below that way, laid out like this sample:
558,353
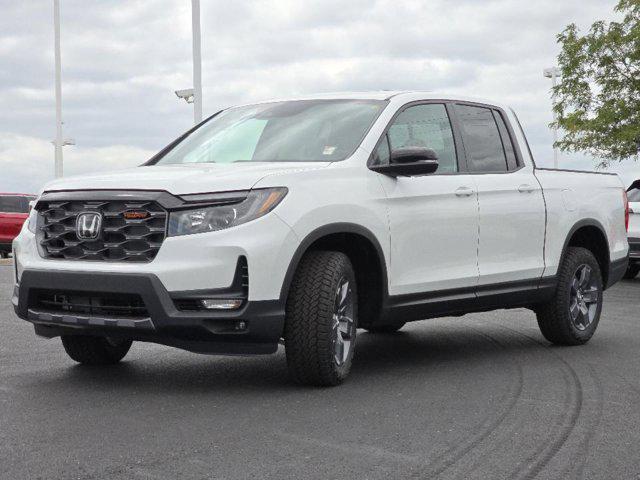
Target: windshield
295,131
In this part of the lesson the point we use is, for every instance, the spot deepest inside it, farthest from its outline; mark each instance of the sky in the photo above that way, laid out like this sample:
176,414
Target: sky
123,59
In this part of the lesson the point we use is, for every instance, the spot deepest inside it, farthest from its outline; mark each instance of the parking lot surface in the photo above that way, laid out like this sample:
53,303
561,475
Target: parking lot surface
481,396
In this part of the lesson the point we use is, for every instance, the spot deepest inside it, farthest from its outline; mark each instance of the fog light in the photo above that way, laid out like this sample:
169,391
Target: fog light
225,304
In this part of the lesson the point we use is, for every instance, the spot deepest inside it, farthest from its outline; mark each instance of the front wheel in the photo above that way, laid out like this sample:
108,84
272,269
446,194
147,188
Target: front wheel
572,315
321,319
90,350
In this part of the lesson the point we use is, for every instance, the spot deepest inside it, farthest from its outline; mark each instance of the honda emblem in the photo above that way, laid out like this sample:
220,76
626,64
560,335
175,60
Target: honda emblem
88,225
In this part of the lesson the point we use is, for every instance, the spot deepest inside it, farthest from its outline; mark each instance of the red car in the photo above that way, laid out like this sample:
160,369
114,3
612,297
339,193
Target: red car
14,210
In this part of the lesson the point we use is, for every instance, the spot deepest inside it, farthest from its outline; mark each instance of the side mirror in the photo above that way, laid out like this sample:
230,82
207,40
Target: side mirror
409,162
412,155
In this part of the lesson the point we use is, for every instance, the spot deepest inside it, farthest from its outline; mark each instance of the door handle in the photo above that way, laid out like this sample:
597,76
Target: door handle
464,192
524,188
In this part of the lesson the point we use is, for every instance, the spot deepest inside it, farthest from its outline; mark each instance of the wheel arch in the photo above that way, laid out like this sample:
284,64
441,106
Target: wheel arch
590,234
361,246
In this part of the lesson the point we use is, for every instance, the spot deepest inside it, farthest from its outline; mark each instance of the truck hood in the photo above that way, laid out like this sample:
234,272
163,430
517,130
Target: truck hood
183,179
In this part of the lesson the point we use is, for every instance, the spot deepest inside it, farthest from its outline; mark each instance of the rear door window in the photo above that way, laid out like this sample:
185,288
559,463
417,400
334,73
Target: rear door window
482,140
510,152
14,204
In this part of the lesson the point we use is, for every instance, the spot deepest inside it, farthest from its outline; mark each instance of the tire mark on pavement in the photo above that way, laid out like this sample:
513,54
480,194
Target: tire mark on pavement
596,419
535,463
453,455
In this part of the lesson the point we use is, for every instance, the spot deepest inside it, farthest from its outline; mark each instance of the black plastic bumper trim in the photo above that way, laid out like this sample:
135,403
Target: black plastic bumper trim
617,269
198,331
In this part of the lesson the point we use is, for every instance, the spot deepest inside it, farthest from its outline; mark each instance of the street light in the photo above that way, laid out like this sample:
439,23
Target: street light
59,141
194,95
553,73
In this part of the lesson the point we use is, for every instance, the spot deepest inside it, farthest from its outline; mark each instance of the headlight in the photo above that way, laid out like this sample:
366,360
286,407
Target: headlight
211,218
32,220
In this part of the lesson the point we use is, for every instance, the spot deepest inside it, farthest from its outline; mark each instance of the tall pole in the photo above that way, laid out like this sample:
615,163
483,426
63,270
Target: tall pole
553,73
554,77
58,170
197,62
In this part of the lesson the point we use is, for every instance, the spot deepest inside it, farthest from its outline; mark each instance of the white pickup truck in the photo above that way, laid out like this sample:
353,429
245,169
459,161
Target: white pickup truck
300,221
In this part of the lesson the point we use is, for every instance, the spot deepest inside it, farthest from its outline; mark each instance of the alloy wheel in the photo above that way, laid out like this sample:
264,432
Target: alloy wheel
584,297
344,328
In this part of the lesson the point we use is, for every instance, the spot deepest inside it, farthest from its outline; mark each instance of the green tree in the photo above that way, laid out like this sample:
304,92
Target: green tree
597,102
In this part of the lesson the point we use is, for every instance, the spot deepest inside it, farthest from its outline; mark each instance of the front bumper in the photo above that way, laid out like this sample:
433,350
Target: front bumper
193,262
196,331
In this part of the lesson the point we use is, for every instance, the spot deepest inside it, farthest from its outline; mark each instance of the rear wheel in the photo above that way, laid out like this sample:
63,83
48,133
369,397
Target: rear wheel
90,350
572,316
632,272
321,319
4,254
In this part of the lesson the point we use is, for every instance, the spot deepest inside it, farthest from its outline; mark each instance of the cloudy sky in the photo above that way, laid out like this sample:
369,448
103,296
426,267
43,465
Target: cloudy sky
122,60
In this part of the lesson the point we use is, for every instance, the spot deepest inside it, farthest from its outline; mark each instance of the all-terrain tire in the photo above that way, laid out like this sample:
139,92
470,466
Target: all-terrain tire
309,323
554,318
90,350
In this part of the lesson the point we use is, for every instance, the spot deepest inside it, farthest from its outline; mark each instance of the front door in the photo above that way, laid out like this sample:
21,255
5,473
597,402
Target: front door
433,219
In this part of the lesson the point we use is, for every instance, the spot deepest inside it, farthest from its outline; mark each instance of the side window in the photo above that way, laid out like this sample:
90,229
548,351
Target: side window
422,126
512,162
381,156
481,139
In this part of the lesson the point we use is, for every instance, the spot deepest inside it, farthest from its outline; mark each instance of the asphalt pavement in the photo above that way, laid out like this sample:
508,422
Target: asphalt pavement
482,396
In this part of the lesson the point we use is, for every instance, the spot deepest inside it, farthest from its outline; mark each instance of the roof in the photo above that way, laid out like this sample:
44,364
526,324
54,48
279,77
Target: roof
400,95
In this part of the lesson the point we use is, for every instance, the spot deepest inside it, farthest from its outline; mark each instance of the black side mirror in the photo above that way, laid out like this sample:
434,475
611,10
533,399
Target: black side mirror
410,162
412,154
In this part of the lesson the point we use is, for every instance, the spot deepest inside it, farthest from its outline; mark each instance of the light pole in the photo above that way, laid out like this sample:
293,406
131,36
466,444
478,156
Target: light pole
197,62
194,95
553,73
59,142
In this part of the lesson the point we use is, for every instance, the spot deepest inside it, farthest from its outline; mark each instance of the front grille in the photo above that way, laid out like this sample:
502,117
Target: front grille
130,306
135,239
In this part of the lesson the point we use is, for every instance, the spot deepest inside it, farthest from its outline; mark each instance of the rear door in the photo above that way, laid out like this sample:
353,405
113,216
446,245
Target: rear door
511,205
433,219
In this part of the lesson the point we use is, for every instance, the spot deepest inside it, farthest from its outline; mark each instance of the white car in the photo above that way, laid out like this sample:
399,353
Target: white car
633,193
301,220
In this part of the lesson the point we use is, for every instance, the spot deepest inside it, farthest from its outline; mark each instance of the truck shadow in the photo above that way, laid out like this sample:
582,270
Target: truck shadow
379,358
